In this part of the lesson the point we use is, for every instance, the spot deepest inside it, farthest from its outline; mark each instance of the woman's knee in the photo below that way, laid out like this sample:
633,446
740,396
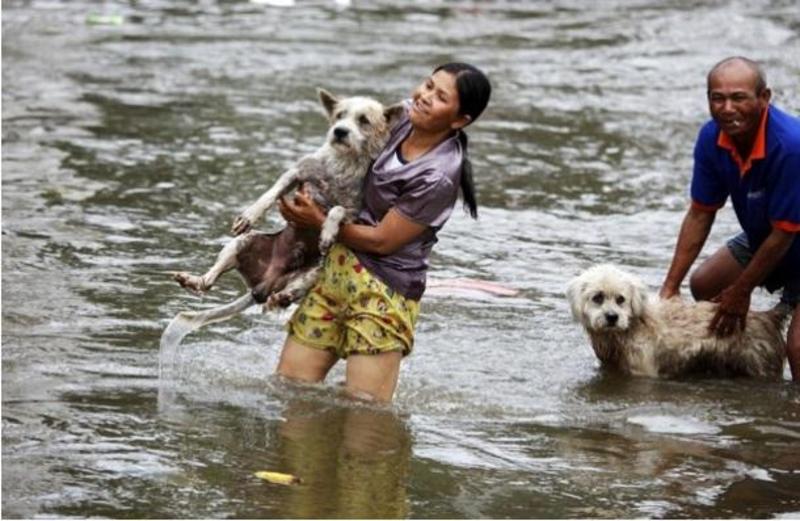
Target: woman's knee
373,377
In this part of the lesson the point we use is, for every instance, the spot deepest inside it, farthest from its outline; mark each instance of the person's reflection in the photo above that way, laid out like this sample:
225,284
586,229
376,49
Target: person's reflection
354,460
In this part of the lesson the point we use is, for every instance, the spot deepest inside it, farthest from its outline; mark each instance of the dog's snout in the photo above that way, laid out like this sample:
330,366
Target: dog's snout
340,133
612,319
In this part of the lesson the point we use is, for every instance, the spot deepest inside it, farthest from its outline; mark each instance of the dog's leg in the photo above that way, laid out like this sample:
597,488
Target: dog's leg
226,260
253,213
330,228
300,283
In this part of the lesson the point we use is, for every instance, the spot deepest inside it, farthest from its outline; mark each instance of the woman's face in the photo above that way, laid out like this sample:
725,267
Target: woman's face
435,104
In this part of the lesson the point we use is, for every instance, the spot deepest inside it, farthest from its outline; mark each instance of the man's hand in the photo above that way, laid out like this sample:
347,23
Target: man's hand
667,292
731,315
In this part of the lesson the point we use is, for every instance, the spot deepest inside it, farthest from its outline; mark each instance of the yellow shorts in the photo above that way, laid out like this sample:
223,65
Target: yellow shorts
350,311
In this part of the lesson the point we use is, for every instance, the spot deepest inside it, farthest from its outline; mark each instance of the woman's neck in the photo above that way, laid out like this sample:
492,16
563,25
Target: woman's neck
419,143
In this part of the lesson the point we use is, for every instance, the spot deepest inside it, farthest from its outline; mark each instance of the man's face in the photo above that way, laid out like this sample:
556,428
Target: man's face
733,101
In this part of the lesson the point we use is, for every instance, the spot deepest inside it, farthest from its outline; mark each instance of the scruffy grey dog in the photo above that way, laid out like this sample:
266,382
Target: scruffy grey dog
281,267
639,335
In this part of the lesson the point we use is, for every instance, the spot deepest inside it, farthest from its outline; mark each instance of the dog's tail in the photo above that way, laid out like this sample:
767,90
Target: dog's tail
187,321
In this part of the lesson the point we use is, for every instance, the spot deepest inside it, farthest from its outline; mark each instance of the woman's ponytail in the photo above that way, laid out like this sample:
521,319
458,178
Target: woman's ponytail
474,91
467,183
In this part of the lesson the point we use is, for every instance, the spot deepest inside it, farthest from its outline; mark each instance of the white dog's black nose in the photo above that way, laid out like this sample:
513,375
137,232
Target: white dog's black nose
611,319
340,133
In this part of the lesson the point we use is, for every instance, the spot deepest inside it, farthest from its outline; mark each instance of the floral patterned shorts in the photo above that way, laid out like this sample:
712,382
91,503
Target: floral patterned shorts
350,311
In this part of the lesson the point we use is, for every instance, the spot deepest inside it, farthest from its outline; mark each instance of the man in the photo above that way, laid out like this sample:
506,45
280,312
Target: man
750,151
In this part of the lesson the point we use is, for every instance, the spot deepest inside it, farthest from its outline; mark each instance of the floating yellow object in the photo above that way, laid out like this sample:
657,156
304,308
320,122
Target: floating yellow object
278,477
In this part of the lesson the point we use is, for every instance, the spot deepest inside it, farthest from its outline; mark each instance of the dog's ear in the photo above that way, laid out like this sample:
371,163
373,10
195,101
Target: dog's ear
575,289
394,113
639,297
328,100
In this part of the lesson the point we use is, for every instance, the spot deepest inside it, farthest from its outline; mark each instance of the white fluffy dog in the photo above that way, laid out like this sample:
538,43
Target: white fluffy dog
644,336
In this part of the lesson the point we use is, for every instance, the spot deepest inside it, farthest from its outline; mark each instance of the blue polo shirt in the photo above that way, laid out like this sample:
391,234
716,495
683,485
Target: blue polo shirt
764,189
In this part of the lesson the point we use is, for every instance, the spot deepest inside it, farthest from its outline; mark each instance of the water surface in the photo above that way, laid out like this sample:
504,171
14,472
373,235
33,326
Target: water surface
131,141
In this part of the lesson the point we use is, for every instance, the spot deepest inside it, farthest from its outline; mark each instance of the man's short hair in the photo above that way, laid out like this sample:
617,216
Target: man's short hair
754,66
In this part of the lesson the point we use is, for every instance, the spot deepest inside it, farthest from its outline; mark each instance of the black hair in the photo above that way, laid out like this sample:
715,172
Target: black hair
474,91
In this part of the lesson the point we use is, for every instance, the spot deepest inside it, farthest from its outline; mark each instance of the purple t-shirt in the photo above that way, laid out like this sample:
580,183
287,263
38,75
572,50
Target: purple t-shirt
423,190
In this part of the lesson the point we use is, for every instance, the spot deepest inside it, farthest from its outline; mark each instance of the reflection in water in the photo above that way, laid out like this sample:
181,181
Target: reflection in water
354,461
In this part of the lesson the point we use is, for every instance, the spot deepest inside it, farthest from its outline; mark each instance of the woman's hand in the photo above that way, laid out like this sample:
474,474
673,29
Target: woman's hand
302,211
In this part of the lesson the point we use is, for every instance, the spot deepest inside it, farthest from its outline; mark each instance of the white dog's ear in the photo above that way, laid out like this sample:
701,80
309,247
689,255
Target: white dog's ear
394,113
574,290
328,100
639,302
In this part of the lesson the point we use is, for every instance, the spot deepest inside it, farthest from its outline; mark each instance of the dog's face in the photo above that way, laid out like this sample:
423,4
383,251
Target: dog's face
606,299
359,125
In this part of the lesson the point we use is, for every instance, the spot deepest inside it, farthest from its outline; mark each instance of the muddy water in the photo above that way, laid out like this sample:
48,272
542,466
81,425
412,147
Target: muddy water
134,132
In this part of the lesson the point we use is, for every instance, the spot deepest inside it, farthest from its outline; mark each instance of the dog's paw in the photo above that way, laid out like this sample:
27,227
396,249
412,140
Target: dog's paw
324,247
243,223
279,300
193,283
325,243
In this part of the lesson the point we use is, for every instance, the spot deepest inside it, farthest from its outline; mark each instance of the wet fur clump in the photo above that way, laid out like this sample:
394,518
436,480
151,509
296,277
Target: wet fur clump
640,335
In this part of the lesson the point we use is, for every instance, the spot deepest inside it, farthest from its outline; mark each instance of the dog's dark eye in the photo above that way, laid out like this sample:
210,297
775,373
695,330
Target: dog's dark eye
598,298
339,115
620,300
363,121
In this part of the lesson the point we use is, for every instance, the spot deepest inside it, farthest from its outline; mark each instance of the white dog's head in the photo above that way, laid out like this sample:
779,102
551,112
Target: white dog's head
606,299
359,126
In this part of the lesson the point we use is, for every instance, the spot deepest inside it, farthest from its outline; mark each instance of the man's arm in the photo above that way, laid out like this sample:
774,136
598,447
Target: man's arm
734,301
694,232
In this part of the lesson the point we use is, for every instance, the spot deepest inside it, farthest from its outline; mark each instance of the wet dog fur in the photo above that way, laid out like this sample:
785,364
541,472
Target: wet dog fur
644,336
281,267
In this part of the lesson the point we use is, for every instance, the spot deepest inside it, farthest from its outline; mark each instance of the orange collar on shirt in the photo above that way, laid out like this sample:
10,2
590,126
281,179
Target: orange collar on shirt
759,146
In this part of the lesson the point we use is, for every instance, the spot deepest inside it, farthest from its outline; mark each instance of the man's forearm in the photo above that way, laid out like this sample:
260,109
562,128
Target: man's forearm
694,232
766,258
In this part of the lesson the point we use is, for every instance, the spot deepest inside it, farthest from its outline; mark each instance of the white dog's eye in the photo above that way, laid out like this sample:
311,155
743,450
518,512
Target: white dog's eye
339,115
620,300
363,121
598,298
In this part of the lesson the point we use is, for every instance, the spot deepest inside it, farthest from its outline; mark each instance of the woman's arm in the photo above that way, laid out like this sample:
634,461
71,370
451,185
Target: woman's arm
390,234
393,232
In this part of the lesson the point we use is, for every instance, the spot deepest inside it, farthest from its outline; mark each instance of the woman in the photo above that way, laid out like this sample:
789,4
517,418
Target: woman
365,304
